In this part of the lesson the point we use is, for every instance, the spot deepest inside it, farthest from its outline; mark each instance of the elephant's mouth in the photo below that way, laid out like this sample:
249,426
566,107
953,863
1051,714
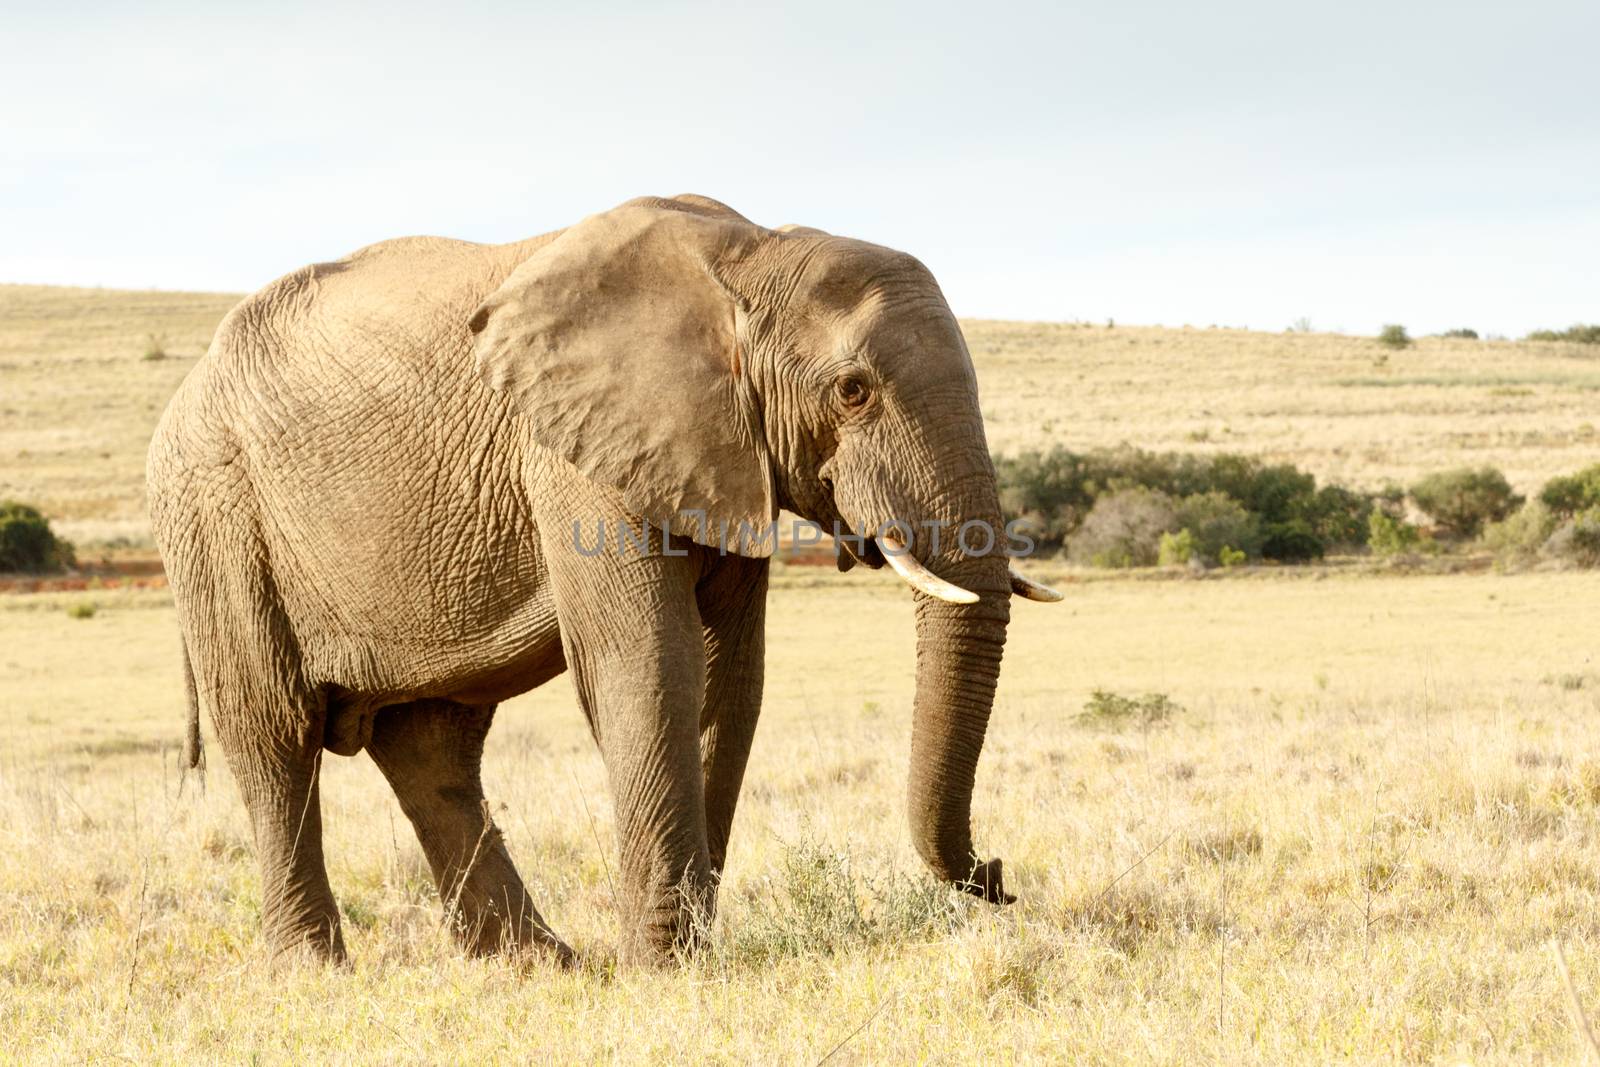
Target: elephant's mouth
876,551
859,549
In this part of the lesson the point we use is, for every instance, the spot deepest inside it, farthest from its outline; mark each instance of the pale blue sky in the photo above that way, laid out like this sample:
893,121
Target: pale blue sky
1434,164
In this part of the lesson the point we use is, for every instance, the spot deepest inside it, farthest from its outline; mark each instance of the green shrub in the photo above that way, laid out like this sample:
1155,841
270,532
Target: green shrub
1391,499
27,542
1050,492
1463,500
1175,549
820,902
1231,557
83,609
1577,540
1294,541
1520,538
1289,517
1124,529
1571,493
1389,536
1215,521
1461,334
1580,334
1338,515
1394,336
1105,708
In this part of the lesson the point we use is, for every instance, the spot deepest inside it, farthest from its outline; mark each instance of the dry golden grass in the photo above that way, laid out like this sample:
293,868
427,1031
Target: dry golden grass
1378,801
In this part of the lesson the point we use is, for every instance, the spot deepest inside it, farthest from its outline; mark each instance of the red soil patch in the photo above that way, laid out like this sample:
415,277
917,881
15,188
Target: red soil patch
107,574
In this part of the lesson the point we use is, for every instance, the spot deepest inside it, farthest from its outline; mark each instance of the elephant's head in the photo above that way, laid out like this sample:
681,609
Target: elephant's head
706,366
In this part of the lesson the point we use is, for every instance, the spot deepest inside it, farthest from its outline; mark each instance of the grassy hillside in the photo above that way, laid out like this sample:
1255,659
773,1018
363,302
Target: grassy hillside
1345,408
78,400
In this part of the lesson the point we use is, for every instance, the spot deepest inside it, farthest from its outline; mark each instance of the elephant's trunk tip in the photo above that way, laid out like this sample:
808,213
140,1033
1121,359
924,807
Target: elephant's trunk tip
987,881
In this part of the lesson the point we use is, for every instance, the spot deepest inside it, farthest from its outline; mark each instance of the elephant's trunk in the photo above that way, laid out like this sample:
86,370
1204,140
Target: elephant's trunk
958,663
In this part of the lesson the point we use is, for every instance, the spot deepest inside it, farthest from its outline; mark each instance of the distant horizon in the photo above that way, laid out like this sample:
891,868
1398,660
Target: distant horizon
1314,328
1246,163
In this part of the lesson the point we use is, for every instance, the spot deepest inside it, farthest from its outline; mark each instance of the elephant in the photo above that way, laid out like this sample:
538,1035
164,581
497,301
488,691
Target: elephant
368,496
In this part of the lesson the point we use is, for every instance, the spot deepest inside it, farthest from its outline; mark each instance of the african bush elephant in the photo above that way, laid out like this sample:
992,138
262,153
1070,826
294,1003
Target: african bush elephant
369,548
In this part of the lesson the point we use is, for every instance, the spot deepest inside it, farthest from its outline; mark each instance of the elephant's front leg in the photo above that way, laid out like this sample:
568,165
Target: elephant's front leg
733,604
634,643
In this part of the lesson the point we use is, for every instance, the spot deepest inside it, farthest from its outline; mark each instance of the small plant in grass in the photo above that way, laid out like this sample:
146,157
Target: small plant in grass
1231,557
1394,336
155,347
820,903
83,609
1107,709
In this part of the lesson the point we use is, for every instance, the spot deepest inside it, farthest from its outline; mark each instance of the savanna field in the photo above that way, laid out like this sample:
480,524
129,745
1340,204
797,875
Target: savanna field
1330,813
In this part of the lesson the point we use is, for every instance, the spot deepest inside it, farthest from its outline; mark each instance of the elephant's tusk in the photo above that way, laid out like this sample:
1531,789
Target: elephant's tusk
1026,587
919,577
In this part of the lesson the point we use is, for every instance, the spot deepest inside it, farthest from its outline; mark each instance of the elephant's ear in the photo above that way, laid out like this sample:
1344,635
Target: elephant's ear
620,344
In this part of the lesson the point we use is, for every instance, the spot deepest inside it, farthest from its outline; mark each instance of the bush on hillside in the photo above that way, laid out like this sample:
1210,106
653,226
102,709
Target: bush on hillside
1295,541
1338,515
1124,529
1519,539
1050,493
1461,334
1577,541
1053,492
1464,500
27,543
1580,334
1214,522
1389,536
1571,493
1394,336
1176,549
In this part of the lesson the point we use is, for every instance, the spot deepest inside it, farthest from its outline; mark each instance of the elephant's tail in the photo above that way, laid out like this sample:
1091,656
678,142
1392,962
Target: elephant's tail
194,751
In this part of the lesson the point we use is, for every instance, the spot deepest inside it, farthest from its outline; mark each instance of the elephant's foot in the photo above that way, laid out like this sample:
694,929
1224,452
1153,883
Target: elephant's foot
543,950
315,940
487,930
671,926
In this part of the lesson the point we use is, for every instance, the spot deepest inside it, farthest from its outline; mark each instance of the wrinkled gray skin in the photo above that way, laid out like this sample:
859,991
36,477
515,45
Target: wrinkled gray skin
369,549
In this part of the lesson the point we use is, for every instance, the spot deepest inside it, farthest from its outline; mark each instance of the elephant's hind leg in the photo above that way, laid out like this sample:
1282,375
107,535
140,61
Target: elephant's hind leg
278,780
430,752
248,670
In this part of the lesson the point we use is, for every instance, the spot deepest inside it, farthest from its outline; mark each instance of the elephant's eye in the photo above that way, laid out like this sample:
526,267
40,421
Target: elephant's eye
852,391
